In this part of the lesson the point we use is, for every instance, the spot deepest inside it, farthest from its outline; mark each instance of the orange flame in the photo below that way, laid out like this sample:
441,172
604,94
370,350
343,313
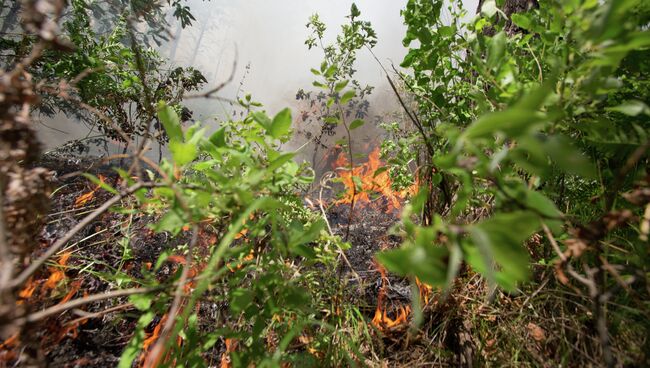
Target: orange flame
231,345
371,181
425,291
57,274
86,197
381,319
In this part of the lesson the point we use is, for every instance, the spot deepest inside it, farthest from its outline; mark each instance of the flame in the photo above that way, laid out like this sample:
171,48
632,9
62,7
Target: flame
372,181
86,197
425,291
231,345
57,274
147,358
8,350
381,319
27,291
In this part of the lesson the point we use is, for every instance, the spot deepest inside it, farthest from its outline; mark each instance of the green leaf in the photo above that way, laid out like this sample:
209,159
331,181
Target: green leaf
281,160
500,239
183,153
422,258
512,122
497,50
631,108
446,31
170,122
357,183
171,221
347,96
569,158
218,138
281,124
323,66
356,124
262,119
161,259
338,87
141,301
240,299
521,20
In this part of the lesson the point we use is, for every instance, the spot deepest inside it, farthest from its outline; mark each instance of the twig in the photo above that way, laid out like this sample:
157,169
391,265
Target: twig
86,315
218,88
551,239
322,209
5,253
178,295
60,308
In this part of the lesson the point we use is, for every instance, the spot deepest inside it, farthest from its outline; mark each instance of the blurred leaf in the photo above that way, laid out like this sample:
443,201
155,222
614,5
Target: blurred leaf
170,122
218,138
631,108
240,299
513,122
183,153
338,87
347,96
141,301
500,239
489,8
281,124
521,20
356,124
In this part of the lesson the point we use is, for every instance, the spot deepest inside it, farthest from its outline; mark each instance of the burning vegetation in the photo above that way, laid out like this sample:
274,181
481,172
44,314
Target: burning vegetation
520,239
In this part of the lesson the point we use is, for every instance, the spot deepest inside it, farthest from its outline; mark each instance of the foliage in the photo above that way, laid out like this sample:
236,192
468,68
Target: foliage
112,71
340,100
237,181
543,127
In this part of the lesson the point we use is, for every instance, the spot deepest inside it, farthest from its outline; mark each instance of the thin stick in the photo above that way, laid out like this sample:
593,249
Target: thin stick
178,295
341,252
60,308
86,315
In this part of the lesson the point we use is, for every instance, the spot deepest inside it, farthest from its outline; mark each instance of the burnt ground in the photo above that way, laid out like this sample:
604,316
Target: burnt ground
69,340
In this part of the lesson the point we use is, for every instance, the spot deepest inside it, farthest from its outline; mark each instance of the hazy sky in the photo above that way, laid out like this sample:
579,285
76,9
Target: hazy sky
269,36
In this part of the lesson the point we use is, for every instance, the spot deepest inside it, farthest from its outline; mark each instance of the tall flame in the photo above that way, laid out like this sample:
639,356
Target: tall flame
381,319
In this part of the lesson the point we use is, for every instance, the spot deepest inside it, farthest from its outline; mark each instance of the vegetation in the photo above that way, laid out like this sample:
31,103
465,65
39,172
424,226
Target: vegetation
522,165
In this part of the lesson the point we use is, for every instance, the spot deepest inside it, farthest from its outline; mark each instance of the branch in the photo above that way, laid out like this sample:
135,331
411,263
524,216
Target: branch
60,308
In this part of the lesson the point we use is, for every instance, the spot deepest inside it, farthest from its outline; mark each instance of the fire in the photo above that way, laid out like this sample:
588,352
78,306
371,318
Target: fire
86,197
425,291
231,345
57,273
371,181
381,319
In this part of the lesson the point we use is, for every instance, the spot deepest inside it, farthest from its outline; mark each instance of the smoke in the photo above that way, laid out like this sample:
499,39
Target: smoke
260,43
